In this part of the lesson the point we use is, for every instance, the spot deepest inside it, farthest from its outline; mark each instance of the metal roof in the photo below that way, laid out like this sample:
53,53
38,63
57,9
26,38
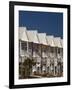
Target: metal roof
62,42
42,38
57,42
50,41
32,36
22,34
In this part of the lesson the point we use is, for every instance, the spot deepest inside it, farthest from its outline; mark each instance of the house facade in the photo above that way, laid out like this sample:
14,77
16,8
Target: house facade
46,52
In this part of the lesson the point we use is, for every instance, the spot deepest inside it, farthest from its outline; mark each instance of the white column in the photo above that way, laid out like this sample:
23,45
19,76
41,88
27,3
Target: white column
57,60
21,57
50,61
20,47
54,60
27,47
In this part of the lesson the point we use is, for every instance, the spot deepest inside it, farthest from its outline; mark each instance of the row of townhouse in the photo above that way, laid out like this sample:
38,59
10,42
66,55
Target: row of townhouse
45,50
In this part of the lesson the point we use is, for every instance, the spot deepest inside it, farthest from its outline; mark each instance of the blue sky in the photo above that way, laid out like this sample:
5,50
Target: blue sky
49,22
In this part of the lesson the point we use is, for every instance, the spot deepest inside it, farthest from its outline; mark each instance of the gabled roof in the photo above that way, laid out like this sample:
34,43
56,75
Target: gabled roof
62,42
22,34
57,42
42,38
32,36
50,40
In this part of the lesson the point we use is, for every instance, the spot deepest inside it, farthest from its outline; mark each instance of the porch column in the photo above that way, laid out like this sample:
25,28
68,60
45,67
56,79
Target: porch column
32,52
32,49
20,55
54,61
41,58
50,61
27,47
57,60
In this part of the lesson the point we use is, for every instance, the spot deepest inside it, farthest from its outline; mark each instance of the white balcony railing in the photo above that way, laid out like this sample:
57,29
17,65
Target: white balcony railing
52,55
58,56
38,64
24,53
36,54
33,68
44,68
44,54
55,61
48,62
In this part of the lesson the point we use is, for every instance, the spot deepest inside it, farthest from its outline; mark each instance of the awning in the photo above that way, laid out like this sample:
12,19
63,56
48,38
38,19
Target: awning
22,34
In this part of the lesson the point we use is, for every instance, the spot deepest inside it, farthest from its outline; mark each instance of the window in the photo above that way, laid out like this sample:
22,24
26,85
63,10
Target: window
30,45
48,69
44,50
52,50
30,48
36,48
58,50
55,51
24,45
62,52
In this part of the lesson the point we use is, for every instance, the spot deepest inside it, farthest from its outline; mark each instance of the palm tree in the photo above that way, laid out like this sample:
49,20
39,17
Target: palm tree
27,64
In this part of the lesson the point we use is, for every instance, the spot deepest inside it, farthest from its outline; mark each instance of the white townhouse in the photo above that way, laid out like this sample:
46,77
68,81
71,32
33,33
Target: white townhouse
45,50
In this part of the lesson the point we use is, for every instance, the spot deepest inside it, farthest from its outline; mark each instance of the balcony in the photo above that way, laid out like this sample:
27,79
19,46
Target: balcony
30,52
24,53
44,61
58,56
44,68
48,62
36,54
55,61
44,54
52,55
